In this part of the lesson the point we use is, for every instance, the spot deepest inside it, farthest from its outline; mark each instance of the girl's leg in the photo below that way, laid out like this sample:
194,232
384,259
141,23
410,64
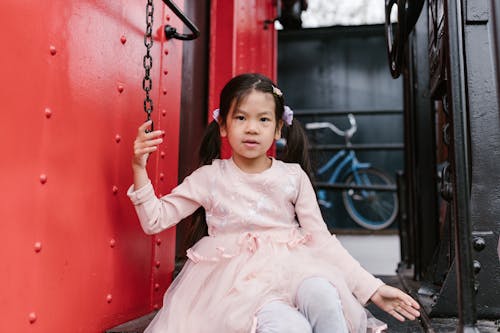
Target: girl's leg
319,301
279,317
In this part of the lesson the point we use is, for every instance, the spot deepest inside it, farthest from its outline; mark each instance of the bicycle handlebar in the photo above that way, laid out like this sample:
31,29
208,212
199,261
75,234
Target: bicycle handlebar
348,133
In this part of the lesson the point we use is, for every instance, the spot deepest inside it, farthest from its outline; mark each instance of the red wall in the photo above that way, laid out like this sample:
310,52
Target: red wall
74,256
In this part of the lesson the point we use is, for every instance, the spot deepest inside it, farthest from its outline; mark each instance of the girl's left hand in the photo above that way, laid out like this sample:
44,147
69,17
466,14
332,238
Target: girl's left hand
396,303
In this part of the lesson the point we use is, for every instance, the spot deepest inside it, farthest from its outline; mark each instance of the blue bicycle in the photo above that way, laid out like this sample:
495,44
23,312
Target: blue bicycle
368,194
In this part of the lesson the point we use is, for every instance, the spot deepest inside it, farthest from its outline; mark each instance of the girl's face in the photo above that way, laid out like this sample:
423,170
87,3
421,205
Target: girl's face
251,129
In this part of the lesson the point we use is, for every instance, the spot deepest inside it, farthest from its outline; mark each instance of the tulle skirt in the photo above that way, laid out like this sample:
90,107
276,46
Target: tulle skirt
228,278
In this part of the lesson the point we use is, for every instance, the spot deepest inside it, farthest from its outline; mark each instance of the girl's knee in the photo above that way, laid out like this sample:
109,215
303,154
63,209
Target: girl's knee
278,317
319,301
315,288
317,294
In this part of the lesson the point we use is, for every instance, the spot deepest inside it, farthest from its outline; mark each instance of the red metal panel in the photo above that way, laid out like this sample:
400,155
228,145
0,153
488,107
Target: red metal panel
255,47
75,256
239,44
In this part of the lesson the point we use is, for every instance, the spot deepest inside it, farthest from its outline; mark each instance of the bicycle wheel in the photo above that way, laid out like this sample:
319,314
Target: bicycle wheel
374,210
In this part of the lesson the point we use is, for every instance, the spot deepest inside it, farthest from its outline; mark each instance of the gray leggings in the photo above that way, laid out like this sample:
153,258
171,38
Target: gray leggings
319,311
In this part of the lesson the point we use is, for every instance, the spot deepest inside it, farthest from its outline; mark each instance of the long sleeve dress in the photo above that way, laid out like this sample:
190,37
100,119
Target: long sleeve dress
266,235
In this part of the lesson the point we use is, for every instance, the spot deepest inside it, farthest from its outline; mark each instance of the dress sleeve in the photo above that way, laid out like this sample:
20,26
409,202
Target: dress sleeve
361,283
157,214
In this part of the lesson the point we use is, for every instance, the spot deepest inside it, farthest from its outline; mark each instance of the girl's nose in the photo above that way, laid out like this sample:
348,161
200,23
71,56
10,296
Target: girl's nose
251,126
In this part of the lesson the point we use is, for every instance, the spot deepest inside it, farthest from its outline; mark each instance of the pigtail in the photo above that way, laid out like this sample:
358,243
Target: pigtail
296,149
209,150
210,144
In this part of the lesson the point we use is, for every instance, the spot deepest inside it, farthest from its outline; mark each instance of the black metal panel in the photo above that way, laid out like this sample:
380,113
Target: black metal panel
341,68
484,136
495,14
420,154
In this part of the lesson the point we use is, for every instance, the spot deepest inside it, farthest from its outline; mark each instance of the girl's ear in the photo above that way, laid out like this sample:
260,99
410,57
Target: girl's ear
223,131
277,134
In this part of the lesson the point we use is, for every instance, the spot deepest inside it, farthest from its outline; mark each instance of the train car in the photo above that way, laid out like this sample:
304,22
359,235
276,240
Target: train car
446,51
83,75
79,76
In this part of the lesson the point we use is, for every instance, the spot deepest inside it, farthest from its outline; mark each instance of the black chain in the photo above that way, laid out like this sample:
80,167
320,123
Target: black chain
147,61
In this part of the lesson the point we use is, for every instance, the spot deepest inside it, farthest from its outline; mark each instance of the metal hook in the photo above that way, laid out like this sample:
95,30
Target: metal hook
171,32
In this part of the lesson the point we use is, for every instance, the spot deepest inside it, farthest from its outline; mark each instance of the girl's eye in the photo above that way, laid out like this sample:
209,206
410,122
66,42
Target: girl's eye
264,119
239,117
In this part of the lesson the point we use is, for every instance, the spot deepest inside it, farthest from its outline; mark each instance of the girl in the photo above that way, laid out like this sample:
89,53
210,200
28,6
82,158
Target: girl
268,263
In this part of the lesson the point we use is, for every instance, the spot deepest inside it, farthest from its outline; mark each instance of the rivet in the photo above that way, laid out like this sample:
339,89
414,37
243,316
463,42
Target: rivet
162,175
123,39
163,113
156,306
164,91
157,263
477,266
165,51
115,189
165,71
32,317
38,247
167,17
118,138
43,178
162,154
109,298
158,242
160,195
48,113
53,50
112,243
120,88
157,286
479,244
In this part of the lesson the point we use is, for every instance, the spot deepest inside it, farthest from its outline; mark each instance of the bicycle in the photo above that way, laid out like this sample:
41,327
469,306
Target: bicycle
367,193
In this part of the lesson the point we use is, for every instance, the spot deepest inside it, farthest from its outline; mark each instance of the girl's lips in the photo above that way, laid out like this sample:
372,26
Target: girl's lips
250,143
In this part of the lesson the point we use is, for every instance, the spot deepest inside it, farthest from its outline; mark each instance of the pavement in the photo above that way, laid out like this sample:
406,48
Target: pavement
378,254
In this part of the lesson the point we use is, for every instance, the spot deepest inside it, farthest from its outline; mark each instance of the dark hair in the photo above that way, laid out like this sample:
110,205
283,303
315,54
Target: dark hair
295,151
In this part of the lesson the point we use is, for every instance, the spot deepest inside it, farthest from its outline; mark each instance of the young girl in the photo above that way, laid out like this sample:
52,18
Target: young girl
268,263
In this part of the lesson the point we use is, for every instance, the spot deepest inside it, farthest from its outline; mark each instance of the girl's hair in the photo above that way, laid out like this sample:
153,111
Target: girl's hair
234,92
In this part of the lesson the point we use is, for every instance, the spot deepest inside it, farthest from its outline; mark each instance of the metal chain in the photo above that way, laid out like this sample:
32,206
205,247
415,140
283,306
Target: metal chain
147,61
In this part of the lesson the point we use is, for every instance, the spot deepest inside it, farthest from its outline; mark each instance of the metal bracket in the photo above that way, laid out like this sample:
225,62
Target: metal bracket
278,16
171,32
485,281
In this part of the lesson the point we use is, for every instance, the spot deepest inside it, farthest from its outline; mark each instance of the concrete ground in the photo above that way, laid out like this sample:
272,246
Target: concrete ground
378,254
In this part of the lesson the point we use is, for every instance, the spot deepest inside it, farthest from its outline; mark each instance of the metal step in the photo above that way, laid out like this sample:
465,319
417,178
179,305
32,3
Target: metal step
134,326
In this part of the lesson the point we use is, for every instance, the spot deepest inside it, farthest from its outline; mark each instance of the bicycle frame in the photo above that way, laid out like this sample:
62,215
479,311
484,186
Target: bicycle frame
345,160
346,157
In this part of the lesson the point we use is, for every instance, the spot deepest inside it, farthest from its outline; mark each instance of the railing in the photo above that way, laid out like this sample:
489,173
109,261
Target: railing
171,32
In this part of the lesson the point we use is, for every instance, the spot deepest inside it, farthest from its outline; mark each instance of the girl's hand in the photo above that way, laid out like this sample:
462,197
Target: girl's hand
396,303
145,144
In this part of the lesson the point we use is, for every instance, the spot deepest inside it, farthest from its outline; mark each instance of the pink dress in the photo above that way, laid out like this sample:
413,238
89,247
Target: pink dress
256,250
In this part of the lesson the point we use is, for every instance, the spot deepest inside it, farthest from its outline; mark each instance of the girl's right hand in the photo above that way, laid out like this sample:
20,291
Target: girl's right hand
145,144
